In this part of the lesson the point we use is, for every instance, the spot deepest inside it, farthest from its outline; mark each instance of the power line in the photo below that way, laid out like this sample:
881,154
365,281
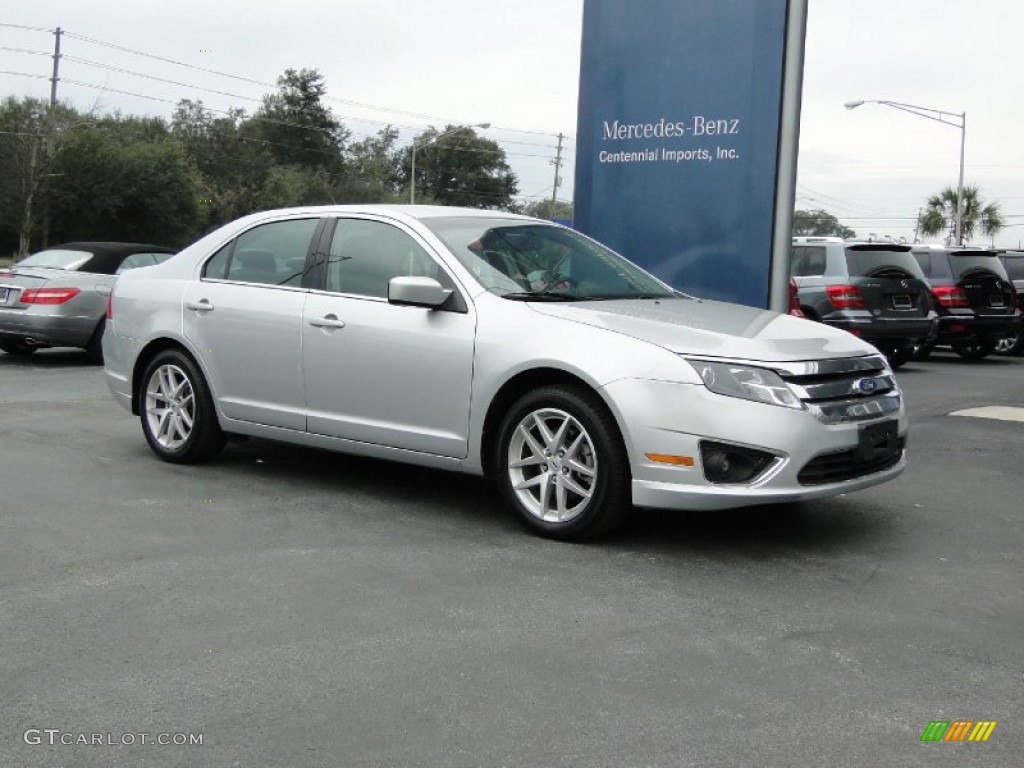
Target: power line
22,26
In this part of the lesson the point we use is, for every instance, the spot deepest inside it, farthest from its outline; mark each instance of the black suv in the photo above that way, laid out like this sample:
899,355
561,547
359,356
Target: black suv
873,290
974,297
1013,263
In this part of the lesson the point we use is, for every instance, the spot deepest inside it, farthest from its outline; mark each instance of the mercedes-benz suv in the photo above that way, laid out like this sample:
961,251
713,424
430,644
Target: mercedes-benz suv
975,299
875,291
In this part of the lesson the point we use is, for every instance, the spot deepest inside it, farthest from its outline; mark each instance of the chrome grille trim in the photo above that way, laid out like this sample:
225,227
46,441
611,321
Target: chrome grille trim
829,388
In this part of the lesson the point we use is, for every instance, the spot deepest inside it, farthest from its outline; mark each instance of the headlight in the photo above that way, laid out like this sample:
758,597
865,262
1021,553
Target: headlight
746,382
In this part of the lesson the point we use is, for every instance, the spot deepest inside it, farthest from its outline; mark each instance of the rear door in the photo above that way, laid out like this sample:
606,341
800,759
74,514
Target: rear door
889,279
244,320
983,278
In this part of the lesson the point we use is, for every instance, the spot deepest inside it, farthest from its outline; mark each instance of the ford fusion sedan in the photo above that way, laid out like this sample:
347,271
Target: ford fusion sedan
496,345
58,297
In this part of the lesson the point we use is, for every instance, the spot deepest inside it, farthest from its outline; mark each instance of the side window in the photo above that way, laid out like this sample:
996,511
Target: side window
217,267
136,260
808,262
924,262
365,255
272,254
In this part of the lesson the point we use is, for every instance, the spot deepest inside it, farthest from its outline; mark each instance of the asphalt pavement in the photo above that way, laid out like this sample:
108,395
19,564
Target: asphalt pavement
288,607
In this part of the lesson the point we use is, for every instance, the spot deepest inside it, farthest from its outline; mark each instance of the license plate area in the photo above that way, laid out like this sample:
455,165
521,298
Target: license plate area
902,301
4,293
878,441
996,302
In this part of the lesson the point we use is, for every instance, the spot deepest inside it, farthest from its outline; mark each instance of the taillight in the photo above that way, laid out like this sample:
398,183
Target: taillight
48,295
794,300
845,296
110,306
951,296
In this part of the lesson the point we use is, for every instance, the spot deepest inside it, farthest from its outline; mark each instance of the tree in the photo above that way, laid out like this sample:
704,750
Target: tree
33,137
545,209
821,223
127,180
373,169
939,215
454,166
295,125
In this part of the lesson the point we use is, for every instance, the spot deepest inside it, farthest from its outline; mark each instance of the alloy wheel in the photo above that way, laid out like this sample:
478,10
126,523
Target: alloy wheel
170,406
552,465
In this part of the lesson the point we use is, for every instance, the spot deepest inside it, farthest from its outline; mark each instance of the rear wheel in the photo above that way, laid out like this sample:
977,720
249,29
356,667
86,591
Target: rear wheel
177,412
923,351
898,356
94,350
1011,345
562,466
19,348
974,348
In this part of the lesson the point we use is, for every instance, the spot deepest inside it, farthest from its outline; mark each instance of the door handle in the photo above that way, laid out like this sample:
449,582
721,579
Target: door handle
203,305
327,321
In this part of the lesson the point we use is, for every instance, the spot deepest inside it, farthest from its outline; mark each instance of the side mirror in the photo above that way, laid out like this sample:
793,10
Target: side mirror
417,292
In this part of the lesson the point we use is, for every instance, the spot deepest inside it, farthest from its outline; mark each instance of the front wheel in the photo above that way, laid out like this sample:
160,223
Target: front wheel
974,348
177,412
562,466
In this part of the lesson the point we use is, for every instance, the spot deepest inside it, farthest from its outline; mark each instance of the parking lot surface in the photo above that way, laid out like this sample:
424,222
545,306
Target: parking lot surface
299,608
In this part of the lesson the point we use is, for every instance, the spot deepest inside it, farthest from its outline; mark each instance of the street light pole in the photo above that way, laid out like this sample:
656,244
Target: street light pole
415,146
946,118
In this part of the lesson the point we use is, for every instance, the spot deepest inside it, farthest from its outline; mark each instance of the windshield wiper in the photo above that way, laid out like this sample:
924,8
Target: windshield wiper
543,296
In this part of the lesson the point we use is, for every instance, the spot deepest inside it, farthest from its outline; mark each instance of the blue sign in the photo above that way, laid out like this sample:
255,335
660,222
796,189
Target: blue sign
678,138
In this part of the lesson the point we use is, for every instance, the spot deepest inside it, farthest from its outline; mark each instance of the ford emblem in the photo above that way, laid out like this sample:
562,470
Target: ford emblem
865,386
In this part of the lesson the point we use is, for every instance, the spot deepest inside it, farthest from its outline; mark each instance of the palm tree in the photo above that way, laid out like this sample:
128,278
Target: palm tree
940,214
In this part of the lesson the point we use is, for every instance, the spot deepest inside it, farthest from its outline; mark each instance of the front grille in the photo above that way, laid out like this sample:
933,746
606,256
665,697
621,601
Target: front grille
843,465
844,389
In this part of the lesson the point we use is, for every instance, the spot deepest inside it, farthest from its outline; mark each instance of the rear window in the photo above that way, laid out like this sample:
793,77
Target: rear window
864,261
1014,268
972,262
56,259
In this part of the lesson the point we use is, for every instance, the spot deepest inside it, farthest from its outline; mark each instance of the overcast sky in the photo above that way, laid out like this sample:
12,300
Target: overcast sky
515,64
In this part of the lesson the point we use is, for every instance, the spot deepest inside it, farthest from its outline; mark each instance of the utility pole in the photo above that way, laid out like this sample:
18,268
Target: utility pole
557,162
917,225
56,68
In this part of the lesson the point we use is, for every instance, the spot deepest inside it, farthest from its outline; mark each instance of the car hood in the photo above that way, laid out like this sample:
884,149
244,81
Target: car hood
713,329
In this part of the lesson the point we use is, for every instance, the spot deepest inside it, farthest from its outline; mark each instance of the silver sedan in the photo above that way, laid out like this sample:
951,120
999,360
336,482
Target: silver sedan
58,296
501,345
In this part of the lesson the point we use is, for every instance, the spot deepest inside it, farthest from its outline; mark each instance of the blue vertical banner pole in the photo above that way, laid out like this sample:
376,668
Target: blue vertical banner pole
687,139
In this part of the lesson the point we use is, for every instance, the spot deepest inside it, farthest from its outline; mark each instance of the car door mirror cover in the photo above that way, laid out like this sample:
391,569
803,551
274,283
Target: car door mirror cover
417,292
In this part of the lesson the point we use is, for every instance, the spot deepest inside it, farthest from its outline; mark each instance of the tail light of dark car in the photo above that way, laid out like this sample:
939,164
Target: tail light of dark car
845,296
794,300
951,296
48,295
110,306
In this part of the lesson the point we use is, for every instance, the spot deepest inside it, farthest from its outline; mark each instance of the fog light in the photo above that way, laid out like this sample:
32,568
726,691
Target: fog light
724,463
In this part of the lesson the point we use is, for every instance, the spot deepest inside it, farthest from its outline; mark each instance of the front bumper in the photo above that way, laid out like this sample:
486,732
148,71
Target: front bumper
669,418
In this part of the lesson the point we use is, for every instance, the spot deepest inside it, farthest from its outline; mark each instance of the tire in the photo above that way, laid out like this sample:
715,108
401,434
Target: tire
923,351
974,348
1012,346
897,357
591,494
94,350
18,348
189,432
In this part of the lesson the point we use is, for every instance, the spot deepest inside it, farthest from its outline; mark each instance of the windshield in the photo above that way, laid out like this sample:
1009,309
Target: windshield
964,263
56,259
531,261
876,262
